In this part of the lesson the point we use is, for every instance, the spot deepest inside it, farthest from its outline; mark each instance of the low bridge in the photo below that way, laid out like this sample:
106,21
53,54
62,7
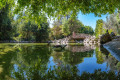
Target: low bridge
76,37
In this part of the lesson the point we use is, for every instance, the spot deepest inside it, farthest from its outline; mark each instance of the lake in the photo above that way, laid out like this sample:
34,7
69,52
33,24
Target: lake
18,61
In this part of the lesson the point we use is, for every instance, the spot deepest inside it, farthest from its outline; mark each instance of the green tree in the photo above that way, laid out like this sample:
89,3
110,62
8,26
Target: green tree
86,30
65,27
99,27
74,25
56,31
30,31
35,8
5,24
63,7
113,23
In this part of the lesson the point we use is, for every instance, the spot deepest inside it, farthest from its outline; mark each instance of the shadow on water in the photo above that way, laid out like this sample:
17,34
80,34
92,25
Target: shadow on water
33,61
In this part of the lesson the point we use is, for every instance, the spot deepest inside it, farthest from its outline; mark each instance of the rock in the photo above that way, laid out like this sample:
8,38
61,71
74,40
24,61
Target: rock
105,38
112,35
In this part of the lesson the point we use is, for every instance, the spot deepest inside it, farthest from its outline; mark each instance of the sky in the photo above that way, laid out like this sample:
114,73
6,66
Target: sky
90,19
87,19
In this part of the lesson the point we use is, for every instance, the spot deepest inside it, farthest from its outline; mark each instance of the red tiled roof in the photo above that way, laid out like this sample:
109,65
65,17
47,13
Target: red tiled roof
79,36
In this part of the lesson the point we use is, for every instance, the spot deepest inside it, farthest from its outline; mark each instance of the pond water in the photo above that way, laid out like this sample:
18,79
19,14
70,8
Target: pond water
24,60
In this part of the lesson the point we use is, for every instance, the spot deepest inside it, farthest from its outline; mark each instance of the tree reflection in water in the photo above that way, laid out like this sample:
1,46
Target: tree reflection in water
19,60
104,56
31,61
72,58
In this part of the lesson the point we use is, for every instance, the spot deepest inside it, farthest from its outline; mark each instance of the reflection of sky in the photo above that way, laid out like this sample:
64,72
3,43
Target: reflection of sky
90,65
16,68
51,63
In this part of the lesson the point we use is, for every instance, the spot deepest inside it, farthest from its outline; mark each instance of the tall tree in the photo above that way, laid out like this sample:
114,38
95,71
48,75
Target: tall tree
113,23
5,24
99,27
30,31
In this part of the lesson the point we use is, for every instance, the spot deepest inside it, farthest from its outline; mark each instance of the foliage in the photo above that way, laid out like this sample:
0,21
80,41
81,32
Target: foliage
56,31
76,26
54,8
112,23
67,26
5,24
99,56
29,31
99,28
86,30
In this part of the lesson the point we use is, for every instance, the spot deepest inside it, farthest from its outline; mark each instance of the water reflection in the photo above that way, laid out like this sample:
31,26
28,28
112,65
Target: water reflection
81,48
23,61
71,58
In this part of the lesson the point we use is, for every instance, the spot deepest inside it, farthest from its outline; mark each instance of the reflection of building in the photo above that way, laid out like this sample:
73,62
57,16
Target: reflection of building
80,48
79,37
68,57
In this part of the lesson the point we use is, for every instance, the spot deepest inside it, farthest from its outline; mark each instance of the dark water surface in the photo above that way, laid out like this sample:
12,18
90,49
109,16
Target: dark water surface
18,60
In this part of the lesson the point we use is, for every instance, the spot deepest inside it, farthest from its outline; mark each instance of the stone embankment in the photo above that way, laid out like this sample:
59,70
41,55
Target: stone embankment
112,44
102,39
62,41
114,48
109,37
91,40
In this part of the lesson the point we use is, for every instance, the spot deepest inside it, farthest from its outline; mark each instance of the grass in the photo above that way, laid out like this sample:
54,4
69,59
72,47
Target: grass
24,43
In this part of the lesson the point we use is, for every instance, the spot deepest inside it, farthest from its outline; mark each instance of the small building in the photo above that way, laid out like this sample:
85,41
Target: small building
79,37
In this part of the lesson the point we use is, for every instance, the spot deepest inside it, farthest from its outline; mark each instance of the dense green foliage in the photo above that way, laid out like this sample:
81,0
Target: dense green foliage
78,27
29,31
99,28
21,29
37,11
67,26
5,24
56,7
113,23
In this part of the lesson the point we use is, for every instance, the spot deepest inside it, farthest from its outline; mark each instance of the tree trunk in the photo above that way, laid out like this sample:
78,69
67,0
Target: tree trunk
119,14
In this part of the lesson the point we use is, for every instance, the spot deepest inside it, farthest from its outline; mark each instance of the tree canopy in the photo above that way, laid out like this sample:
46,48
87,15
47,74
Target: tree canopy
57,7
99,27
66,27
38,11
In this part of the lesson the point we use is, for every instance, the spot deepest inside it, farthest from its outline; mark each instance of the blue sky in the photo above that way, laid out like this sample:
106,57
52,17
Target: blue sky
90,19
